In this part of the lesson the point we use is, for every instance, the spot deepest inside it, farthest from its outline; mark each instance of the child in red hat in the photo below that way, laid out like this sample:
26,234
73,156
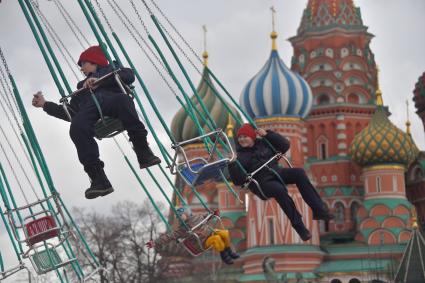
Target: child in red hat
252,153
84,113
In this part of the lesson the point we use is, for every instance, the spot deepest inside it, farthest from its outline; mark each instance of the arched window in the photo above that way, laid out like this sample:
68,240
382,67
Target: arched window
324,225
322,147
353,98
323,99
270,224
354,280
336,281
339,212
353,214
378,184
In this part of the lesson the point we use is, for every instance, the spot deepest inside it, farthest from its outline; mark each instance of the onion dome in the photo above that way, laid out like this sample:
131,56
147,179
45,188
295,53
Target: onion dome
327,14
382,142
183,127
276,90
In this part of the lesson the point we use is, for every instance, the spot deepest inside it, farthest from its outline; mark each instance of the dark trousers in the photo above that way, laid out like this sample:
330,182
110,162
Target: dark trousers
272,187
118,106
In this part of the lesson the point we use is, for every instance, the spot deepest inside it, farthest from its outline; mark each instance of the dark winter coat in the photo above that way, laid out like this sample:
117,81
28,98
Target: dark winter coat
84,98
251,158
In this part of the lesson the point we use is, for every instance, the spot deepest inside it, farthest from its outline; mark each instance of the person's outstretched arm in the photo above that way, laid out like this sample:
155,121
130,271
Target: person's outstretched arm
49,107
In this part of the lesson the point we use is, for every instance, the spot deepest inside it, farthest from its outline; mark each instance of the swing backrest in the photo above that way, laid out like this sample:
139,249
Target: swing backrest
193,245
41,229
211,171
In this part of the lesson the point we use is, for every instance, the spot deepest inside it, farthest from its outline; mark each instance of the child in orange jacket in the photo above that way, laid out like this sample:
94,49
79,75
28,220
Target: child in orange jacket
217,239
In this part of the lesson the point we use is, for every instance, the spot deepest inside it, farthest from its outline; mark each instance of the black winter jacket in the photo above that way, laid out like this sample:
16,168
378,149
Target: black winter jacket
251,158
78,101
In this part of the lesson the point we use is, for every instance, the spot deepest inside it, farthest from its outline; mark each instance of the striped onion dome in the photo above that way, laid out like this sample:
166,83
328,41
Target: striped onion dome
276,90
183,127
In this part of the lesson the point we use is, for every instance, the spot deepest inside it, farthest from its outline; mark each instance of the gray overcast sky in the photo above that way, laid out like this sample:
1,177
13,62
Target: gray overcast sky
238,44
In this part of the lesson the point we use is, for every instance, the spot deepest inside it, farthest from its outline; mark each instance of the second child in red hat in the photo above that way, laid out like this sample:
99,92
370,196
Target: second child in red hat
254,150
84,115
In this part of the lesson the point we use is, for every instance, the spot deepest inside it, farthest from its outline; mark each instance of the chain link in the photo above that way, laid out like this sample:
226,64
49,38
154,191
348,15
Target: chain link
58,42
9,92
118,10
70,21
176,31
19,162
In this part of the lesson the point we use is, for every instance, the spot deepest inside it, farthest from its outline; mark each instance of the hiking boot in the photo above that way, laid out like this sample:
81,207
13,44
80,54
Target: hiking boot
303,232
231,253
225,257
144,154
100,185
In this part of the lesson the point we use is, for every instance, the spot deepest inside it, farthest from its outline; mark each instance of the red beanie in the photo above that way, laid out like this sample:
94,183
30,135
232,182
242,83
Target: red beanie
247,130
95,55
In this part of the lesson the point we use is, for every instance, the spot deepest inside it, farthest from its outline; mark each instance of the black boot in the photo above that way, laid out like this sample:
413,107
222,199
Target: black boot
100,185
323,215
144,154
231,253
225,257
303,232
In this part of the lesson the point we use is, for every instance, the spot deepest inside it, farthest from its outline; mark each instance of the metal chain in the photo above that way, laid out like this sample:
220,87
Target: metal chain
19,162
14,130
14,174
9,92
176,31
6,90
140,44
11,110
3,81
58,42
139,17
70,21
103,15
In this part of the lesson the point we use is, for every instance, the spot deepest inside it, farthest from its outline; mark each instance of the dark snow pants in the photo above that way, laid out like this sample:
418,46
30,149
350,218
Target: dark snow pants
272,187
117,106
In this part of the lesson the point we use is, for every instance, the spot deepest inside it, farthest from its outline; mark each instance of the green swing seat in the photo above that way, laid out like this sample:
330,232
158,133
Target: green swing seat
48,260
107,128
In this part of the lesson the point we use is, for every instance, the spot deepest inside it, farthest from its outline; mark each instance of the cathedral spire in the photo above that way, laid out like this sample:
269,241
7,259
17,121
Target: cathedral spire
205,53
273,34
378,93
408,120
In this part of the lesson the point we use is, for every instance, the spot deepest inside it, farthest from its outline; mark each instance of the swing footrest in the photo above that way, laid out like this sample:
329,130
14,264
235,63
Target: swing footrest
41,229
46,260
199,173
108,127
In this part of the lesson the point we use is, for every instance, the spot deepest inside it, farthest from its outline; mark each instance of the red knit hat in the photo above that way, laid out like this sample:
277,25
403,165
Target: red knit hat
95,55
247,130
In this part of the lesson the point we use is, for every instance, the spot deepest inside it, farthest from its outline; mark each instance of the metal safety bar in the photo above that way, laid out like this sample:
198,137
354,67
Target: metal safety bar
175,166
192,233
124,88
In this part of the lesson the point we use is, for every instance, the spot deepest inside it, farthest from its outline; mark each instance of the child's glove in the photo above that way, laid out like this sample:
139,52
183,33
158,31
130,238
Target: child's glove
150,244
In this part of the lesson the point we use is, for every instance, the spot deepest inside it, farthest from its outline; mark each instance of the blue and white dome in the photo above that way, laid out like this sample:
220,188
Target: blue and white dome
276,91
